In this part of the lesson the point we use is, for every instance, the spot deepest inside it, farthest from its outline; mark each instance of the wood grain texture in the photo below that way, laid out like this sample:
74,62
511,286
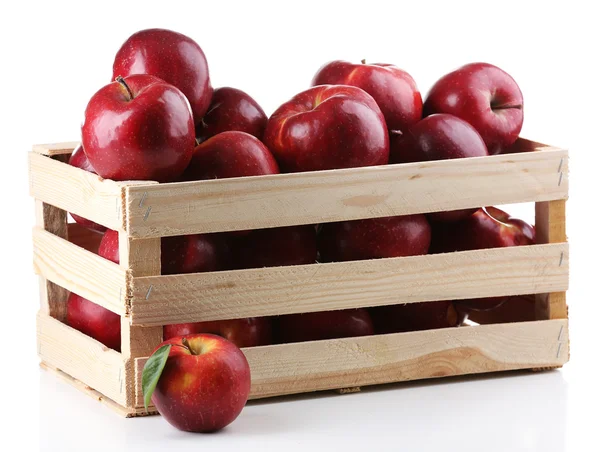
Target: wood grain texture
75,190
53,298
326,196
84,237
142,258
159,300
550,225
55,149
81,357
338,363
80,271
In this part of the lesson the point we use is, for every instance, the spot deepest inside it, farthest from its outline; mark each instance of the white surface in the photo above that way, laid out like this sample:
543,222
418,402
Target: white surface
55,56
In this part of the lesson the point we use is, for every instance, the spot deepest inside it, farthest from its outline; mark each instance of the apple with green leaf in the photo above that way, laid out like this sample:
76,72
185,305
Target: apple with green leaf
198,383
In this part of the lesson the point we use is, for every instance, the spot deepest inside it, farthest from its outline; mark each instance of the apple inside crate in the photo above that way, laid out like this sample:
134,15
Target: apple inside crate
531,336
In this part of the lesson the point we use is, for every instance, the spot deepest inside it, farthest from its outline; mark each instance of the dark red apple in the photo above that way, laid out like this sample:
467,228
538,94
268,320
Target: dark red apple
489,227
95,321
78,159
518,308
292,245
230,154
328,127
315,326
394,90
232,109
138,128
374,238
180,254
413,317
170,56
250,332
486,97
204,385
438,137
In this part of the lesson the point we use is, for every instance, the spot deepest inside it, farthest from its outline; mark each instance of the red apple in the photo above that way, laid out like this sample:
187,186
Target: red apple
374,238
413,317
293,245
250,332
489,227
486,97
232,109
328,127
170,56
204,385
179,254
95,321
518,308
230,154
138,128
438,137
394,90
78,159
315,326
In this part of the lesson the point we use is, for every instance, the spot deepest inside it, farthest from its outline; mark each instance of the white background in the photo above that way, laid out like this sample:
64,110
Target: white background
55,56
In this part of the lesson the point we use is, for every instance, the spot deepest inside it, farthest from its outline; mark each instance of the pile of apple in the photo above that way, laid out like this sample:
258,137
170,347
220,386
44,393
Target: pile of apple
160,119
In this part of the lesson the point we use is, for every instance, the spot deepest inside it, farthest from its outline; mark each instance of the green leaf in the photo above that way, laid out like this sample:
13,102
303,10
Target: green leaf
152,371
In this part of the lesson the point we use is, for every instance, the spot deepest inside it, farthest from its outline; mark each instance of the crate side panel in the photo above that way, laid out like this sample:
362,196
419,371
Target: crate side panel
160,300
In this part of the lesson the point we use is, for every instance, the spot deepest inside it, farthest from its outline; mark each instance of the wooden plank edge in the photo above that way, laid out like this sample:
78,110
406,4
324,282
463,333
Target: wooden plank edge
414,366
162,300
54,149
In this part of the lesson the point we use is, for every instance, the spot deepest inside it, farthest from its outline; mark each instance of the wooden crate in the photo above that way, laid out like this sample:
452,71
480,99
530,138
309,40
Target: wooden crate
143,212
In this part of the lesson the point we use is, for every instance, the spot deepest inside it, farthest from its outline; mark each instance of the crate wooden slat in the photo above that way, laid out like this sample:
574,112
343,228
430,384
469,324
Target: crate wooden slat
80,271
81,357
326,196
320,287
339,363
55,149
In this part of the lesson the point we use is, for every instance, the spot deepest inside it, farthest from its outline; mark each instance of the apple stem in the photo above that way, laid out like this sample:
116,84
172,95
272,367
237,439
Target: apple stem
185,342
197,142
363,61
507,107
124,84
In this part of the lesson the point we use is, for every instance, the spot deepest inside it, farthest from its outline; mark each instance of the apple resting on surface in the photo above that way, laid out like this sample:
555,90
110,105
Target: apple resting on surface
328,127
232,109
94,320
250,332
204,384
180,254
315,326
438,137
394,90
275,247
413,317
518,308
138,128
489,227
78,159
230,154
486,97
374,238
172,57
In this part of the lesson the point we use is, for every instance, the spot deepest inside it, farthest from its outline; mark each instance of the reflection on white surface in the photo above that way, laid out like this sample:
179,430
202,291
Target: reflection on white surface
508,412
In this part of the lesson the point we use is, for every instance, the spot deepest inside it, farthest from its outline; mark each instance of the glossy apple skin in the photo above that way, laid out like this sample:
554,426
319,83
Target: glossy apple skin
94,320
488,227
374,238
172,57
275,247
250,332
438,137
232,109
518,308
180,254
394,90
149,137
230,154
316,326
205,391
328,127
78,159
413,317
486,97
